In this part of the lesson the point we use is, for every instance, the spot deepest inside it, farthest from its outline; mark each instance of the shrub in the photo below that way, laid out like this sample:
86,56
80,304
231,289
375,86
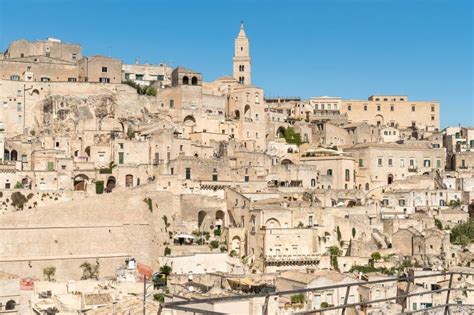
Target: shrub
99,187
159,297
339,235
438,224
217,232
19,185
324,304
292,137
149,203
297,298
463,234
167,251
214,244
18,200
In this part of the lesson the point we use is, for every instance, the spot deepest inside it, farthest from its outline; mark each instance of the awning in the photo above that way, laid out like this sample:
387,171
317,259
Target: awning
186,236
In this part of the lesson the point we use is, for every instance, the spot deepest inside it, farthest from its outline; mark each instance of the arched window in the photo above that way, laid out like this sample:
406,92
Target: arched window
242,68
185,80
313,182
194,81
13,155
10,305
366,186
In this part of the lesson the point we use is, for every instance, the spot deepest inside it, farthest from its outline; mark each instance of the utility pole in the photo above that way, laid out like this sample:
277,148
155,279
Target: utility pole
144,295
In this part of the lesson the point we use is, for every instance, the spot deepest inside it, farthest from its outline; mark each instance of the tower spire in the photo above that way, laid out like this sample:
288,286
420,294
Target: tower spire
242,61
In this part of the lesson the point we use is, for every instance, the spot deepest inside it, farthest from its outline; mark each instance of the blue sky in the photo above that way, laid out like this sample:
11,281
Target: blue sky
308,48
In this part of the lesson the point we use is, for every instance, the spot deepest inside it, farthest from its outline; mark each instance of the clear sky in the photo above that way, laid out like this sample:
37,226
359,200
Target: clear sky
308,48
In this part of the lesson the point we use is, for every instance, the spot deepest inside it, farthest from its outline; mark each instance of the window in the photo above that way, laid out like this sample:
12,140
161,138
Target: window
379,161
71,79
402,162
188,173
349,107
121,157
365,107
50,166
390,162
15,77
74,56
214,177
412,163
427,163
45,79
139,77
246,178
171,103
401,202
432,108
104,80
310,220
413,108
378,108
361,163
104,69
438,163
348,175
329,172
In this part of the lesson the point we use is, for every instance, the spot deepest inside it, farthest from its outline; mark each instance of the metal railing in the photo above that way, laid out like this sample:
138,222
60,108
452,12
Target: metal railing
189,305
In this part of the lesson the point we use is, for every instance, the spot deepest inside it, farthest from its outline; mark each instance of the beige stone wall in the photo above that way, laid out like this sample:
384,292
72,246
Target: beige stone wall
99,68
426,113
54,49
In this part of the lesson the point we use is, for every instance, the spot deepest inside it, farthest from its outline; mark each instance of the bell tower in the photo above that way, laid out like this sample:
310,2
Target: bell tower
242,57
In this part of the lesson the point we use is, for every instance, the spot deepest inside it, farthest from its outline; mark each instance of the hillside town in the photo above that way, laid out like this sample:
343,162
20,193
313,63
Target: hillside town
147,189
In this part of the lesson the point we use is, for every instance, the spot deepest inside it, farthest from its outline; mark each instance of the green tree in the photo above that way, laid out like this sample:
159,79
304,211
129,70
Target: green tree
166,270
89,271
99,187
438,224
214,244
338,232
49,272
375,257
455,203
291,136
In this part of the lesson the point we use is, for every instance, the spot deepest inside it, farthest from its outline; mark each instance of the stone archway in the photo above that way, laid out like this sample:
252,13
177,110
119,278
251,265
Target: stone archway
111,182
201,216
389,179
80,182
236,245
220,219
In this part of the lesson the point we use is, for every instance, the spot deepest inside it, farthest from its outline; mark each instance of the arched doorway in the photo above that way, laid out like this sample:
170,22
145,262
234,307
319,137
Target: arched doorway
80,182
185,80
235,245
272,223
6,155
247,112
26,182
111,181
237,114
10,305
379,120
201,216
390,179
14,155
194,81
189,120
280,132
220,217
129,180
286,161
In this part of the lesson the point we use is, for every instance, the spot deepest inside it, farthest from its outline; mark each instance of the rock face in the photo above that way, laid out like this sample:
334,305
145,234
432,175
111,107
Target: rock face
103,229
61,114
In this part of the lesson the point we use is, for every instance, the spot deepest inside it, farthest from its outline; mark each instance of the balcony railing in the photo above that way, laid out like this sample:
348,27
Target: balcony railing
203,306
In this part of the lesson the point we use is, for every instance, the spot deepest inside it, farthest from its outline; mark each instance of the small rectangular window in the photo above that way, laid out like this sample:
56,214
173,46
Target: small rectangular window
171,103
71,79
379,161
349,107
104,69
188,173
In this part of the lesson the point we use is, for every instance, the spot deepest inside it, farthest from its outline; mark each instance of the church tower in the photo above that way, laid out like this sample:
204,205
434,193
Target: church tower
242,57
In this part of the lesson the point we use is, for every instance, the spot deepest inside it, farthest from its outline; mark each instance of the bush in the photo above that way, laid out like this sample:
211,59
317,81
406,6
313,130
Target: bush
99,187
324,305
438,224
214,244
18,200
149,203
463,234
297,298
217,232
292,137
159,297
167,251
